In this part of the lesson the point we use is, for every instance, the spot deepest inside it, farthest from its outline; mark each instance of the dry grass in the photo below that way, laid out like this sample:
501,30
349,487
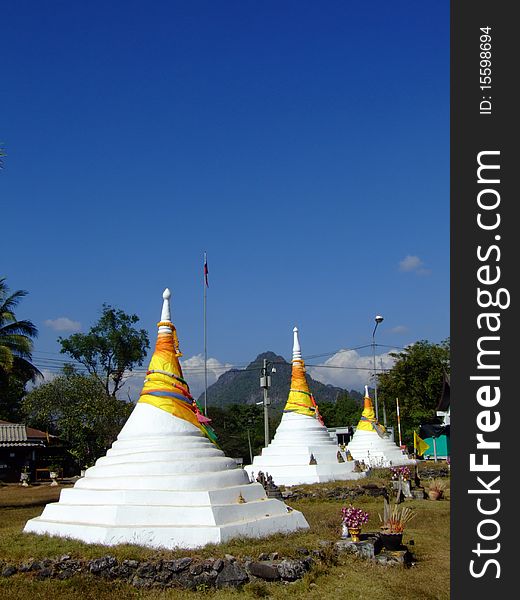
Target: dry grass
349,579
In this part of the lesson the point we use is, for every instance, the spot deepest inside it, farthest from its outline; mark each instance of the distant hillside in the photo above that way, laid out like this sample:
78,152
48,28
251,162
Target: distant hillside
243,386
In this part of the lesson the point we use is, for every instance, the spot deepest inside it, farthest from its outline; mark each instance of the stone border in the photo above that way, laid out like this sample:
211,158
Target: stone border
186,572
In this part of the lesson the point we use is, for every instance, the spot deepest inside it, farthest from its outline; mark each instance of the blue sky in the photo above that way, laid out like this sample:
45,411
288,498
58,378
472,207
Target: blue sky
303,145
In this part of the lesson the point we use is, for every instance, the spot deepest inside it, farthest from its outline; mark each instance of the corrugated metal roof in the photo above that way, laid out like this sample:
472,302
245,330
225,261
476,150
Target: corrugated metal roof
12,433
18,444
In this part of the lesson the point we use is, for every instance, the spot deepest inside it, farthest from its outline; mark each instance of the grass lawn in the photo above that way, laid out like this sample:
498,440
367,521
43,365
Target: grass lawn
344,579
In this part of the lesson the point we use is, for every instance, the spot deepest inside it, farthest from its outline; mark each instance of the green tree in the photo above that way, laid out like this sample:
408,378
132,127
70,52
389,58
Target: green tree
77,409
111,349
16,344
344,412
416,379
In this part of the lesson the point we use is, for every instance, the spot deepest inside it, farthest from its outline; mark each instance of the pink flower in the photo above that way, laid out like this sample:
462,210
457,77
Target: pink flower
354,517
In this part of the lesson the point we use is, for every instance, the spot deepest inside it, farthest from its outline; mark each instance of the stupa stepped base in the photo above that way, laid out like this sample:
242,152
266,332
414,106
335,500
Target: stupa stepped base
289,475
375,451
287,457
298,455
172,490
170,537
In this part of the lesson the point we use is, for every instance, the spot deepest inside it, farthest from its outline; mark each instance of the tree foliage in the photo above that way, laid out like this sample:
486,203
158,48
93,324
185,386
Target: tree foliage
345,412
16,344
111,348
416,379
232,425
78,410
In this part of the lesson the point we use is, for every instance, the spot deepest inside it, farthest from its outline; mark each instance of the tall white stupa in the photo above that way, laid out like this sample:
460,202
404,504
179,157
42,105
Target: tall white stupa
372,444
302,450
165,483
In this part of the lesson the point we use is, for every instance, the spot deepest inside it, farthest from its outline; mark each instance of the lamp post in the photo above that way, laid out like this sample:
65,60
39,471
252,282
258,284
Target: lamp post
378,319
265,384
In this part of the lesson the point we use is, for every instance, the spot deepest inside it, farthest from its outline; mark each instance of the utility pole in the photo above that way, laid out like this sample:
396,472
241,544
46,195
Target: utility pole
249,441
378,319
265,384
384,405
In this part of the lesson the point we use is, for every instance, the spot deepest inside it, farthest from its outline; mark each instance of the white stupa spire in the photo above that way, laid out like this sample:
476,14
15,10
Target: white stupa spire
165,313
367,395
296,351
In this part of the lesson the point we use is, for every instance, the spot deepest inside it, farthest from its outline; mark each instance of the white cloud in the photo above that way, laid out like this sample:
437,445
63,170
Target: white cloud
193,370
398,329
63,324
413,264
410,263
350,370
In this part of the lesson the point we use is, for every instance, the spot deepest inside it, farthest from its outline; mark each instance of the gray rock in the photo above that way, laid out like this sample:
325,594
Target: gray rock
9,570
178,564
230,557
218,565
363,549
140,583
291,570
196,569
264,570
401,558
66,574
232,575
44,573
147,570
98,566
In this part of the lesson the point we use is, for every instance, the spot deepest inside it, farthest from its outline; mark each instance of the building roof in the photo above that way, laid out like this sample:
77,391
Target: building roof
17,434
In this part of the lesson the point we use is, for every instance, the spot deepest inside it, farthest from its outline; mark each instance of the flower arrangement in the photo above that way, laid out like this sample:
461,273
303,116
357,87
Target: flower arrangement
353,517
436,488
394,519
400,473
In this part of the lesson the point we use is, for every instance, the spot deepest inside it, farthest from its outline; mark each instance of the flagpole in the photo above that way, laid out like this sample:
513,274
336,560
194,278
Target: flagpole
204,284
398,422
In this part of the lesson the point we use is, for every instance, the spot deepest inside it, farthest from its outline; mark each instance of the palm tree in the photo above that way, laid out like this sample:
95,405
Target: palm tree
15,338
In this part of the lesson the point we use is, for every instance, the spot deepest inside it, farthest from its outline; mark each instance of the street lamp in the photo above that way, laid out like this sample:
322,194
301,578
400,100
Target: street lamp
378,319
265,384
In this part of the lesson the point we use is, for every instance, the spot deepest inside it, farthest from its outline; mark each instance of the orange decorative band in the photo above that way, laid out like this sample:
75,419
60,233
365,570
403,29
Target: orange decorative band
301,392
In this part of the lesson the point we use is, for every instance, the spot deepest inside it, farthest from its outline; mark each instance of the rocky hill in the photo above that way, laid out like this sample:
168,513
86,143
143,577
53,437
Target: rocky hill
242,386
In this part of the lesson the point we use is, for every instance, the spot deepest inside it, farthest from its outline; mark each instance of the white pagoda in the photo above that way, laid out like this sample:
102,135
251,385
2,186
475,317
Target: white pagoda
302,450
372,444
165,483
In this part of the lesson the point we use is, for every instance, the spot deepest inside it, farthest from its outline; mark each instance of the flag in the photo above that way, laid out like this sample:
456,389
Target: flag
206,270
420,445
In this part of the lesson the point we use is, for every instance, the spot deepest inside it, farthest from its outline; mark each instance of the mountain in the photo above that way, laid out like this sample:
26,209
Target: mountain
243,386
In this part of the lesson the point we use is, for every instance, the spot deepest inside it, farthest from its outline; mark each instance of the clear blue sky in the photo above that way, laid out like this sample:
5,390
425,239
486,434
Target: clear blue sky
303,145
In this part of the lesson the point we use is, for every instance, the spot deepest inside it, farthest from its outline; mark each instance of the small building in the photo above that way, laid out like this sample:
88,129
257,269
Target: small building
341,435
23,447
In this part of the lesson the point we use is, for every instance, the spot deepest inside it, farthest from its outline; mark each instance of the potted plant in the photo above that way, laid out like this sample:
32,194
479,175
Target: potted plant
53,473
393,523
436,489
352,520
25,476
